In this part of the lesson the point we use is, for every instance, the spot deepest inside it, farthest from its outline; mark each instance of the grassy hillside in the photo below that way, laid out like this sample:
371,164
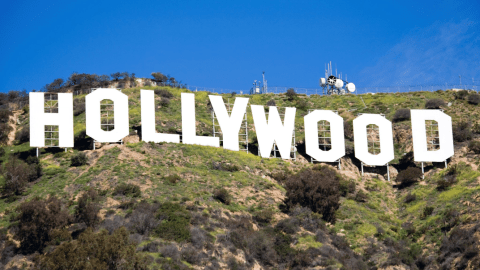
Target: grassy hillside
194,207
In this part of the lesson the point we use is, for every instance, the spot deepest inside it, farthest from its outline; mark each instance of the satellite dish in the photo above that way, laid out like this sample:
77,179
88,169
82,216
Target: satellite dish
323,82
331,80
351,87
339,84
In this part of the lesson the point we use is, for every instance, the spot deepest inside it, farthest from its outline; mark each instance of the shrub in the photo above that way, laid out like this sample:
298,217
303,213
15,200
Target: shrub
35,169
361,196
264,216
409,176
2,151
346,187
302,104
427,211
462,132
16,174
175,222
291,94
473,146
474,99
164,93
198,237
23,135
128,190
87,208
462,94
164,102
410,198
95,251
142,219
401,115
79,159
434,103
225,167
449,178
172,179
348,130
317,189
36,221
222,195
271,102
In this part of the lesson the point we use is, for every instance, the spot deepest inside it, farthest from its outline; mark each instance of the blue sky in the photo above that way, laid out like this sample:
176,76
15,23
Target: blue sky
227,44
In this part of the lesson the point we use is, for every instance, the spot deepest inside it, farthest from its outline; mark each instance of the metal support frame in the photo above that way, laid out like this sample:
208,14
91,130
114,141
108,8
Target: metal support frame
324,140
243,133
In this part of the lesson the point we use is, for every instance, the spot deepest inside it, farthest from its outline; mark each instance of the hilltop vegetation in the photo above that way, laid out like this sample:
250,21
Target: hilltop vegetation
174,206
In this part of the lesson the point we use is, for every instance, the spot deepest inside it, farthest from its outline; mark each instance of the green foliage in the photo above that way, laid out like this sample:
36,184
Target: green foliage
128,190
172,179
462,131
317,189
449,178
346,187
401,115
435,103
175,221
88,208
291,94
17,174
462,94
79,159
474,99
95,251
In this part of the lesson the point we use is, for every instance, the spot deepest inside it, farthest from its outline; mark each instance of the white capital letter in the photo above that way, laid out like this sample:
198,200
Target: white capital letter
336,134
419,134
147,101
361,142
274,131
92,113
188,124
63,119
230,125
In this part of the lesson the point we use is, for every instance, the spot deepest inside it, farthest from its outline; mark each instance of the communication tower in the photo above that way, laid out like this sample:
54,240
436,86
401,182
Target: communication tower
334,84
256,89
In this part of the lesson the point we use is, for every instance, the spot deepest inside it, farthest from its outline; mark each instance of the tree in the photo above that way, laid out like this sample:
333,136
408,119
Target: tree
159,77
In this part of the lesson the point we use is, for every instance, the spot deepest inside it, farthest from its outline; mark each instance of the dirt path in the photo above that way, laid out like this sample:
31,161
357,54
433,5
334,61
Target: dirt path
13,123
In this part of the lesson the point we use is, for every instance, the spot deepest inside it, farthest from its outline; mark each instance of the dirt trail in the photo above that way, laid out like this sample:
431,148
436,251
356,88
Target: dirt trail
12,121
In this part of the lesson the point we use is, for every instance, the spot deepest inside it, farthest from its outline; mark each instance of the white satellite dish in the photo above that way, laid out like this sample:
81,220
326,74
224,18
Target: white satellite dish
351,87
339,84
323,82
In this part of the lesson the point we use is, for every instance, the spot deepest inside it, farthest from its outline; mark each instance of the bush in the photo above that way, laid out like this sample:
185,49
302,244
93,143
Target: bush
427,211
291,94
16,174
23,135
410,198
474,99
2,151
348,130
346,187
302,104
164,93
36,221
473,146
79,159
462,132
222,195
434,103
172,179
409,176
449,178
127,190
225,167
142,219
401,115
164,102
271,102
175,222
462,94
361,196
88,208
264,216
317,189
95,251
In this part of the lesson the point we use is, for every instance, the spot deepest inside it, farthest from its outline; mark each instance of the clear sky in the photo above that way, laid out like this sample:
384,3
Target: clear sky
227,44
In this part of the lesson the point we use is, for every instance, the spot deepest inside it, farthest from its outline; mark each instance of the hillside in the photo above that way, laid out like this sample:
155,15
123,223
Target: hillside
195,207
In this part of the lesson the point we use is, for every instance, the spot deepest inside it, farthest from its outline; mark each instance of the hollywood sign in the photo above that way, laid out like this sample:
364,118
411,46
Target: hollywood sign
268,131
